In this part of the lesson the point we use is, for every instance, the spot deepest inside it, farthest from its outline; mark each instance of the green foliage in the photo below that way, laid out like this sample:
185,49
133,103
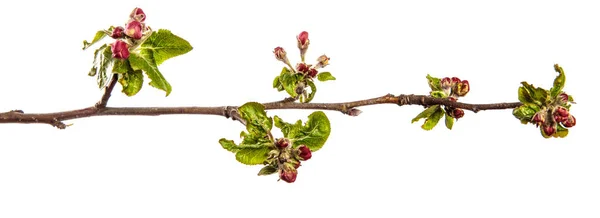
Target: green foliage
289,81
525,112
559,81
432,116
449,121
325,76
132,82
102,61
438,94
145,62
163,45
313,133
99,36
267,170
434,83
532,95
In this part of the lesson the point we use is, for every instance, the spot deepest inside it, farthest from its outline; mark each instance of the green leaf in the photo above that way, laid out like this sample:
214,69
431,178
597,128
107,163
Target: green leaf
121,66
132,82
276,82
289,82
256,118
324,76
426,113
561,132
433,120
314,133
530,94
525,112
559,81
449,121
252,156
144,61
434,83
313,91
99,36
438,94
267,170
229,145
102,61
289,130
163,44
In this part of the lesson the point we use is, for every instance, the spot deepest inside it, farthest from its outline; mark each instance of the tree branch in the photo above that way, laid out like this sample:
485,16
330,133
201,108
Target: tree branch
100,109
107,91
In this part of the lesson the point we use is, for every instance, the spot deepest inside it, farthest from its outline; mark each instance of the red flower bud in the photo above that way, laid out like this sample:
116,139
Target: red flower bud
134,29
138,15
549,130
323,61
538,118
461,88
117,32
282,143
297,164
303,40
288,174
570,122
564,97
455,80
120,50
280,54
354,112
446,83
304,152
559,118
458,113
302,68
561,111
312,72
452,98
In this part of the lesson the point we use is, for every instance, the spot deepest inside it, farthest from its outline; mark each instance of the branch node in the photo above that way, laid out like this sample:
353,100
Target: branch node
16,111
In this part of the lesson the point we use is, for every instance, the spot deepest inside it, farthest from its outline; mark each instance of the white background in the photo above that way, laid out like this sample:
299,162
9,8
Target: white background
374,165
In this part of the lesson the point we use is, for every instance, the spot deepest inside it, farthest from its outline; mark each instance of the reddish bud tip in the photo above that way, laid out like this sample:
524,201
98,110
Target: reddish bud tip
461,88
446,83
297,164
117,32
288,175
570,122
564,97
549,130
120,50
354,112
458,113
134,29
302,68
302,39
323,61
282,143
455,80
561,111
304,152
280,54
452,98
538,118
138,15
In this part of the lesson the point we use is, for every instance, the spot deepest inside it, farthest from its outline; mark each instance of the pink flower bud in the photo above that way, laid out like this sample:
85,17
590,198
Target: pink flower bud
538,118
280,54
446,83
323,61
120,50
458,113
302,68
303,41
455,80
138,15
282,143
549,129
312,72
561,111
134,29
570,122
461,88
117,32
288,174
304,152
564,97
354,112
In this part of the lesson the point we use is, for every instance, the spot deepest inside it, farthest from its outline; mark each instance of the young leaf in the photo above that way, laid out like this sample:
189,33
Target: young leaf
438,94
530,94
559,82
132,82
289,130
434,83
256,118
289,82
144,61
102,61
426,113
252,156
433,120
313,91
525,112
277,83
314,133
229,145
561,132
163,44
99,36
449,121
324,76
267,170
121,66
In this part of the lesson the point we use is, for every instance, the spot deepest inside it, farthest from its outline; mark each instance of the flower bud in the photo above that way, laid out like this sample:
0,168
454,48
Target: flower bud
564,97
538,118
561,111
138,15
549,129
302,68
455,80
452,98
354,112
458,113
282,143
280,54
288,174
120,50
570,122
323,61
304,152
446,83
117,32
312,72
461,88
134,29
303,43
